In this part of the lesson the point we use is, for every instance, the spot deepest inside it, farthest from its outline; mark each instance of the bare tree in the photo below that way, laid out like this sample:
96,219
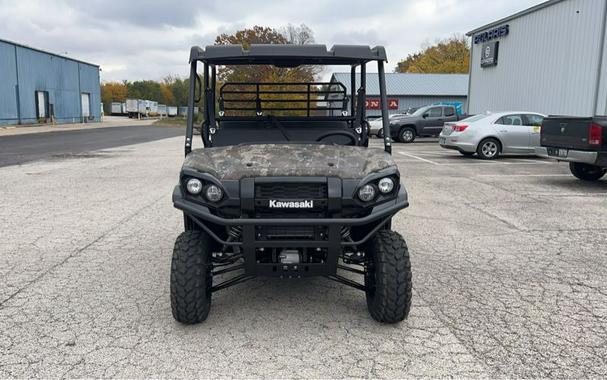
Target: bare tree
298,35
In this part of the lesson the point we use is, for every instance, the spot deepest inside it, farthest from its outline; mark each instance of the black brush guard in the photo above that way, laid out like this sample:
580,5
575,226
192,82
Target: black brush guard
333,241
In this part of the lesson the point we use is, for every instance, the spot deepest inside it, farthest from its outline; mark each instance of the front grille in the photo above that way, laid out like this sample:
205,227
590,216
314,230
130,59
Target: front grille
287,191
289,233
291,191
263,212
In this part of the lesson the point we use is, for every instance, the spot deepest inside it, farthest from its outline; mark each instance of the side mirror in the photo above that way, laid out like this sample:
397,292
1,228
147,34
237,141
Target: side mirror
425,115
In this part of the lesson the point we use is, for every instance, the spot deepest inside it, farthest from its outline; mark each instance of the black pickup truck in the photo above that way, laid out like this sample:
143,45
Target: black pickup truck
425,121
581,141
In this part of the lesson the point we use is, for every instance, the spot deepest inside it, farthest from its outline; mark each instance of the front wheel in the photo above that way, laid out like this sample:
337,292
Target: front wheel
407,135
380,133
388,278
191,278
586,172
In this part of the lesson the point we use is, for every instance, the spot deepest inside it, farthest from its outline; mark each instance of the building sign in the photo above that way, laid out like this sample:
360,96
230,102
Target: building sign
500,31
375,104
489,54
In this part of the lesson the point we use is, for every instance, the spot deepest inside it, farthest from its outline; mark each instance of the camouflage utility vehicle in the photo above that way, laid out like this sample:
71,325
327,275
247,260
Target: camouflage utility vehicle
286,185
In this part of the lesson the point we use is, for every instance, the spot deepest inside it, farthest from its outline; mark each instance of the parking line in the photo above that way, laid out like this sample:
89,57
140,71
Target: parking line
419,158
538,161
523,175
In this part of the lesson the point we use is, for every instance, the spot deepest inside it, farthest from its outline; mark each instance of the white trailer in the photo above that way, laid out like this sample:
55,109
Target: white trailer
162,110
116,108
171,111
153,107
132,107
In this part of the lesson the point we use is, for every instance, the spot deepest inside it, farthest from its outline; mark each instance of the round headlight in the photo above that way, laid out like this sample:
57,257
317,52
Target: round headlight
194,186
213,193
366,193
385,185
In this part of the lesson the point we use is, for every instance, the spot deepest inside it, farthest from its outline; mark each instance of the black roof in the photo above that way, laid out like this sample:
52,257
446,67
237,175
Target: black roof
287,55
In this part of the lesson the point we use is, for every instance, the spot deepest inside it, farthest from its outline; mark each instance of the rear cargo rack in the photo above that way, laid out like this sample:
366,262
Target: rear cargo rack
309,99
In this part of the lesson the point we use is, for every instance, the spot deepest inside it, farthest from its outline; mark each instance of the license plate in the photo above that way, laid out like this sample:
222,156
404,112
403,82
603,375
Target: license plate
442,140
558,152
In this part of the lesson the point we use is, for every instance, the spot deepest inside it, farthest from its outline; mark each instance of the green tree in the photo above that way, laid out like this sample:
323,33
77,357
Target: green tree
112,92
267,73
450,55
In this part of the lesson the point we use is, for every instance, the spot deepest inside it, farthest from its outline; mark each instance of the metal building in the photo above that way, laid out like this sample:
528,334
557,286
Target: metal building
406,90
40,87
551,58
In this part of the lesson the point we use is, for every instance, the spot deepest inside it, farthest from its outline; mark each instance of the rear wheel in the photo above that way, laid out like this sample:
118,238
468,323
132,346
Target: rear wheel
488,149
388,278
191,278
586,172
380,133
407,135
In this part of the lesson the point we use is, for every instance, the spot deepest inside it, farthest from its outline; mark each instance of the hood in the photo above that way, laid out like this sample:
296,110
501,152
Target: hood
403,119
274,160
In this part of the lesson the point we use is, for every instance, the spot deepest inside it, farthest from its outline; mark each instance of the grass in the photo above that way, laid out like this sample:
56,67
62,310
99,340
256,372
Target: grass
171,122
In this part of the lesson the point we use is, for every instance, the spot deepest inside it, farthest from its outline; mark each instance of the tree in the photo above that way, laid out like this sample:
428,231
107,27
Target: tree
267,73
179,89
450,55
298,35
112,92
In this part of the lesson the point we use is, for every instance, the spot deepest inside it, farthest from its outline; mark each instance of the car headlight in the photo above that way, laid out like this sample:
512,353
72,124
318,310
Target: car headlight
213,193
385,185
194,186
366,193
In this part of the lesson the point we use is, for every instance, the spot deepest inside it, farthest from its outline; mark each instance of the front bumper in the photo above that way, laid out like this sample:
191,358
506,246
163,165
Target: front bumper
580,156
332,241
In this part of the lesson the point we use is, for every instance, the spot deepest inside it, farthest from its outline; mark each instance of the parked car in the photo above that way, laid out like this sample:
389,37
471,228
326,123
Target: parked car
376,127
426,121
490,135
580,141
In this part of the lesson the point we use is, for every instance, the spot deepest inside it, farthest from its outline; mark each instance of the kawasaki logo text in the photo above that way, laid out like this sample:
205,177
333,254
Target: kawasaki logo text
290,204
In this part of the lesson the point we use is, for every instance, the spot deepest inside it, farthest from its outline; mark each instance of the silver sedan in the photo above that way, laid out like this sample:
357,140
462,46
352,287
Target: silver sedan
490,135
376,126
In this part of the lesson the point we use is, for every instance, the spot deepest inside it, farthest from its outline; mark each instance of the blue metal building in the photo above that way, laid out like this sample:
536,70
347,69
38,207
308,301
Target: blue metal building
406,90
38,87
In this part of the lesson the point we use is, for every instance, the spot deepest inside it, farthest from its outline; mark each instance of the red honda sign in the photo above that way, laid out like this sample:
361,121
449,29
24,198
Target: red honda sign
374,104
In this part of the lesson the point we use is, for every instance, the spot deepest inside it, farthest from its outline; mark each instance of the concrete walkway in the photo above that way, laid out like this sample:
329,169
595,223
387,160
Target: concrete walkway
108,121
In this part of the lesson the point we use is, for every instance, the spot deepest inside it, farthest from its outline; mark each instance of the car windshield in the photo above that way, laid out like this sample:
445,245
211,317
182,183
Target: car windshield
420,111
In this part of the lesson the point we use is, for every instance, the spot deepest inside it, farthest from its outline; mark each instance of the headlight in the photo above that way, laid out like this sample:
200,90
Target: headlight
213,193
194,186
366,193
385,185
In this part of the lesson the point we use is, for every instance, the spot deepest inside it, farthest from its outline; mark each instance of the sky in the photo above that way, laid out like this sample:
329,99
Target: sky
151,39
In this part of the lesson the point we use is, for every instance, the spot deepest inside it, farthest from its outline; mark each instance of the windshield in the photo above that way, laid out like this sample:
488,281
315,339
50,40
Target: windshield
420,111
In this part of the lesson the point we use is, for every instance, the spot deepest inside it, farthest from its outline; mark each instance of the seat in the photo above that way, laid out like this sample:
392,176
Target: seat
263,130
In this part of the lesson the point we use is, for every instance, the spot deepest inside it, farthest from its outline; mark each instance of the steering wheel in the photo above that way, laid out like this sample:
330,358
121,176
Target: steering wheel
338,133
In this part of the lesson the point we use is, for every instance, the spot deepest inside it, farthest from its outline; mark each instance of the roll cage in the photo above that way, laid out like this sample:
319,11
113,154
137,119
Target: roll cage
261,97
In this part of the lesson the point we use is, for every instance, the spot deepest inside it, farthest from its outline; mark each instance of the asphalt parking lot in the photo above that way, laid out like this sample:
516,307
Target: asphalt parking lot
508,260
